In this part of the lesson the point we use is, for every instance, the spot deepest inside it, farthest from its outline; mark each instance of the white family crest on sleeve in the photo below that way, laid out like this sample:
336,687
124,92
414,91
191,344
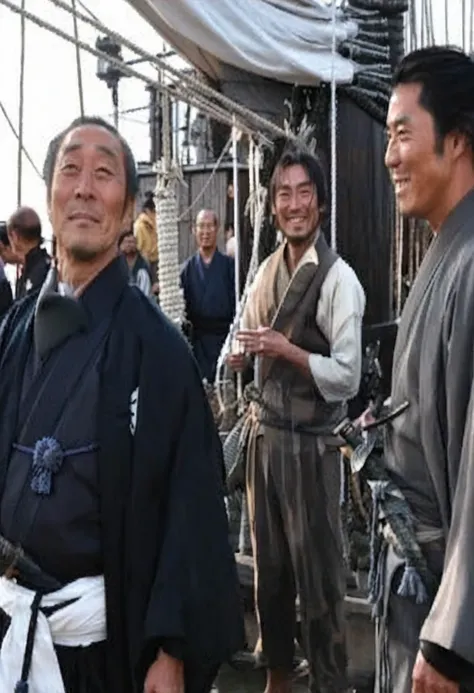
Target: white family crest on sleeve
134,410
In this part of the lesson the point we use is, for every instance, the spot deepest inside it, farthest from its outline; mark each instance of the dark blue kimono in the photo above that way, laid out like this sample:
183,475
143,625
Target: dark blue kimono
209,294
152,510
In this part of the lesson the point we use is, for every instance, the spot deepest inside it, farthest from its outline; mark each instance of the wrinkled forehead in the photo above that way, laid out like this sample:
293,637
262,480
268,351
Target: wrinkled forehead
92,139
206,218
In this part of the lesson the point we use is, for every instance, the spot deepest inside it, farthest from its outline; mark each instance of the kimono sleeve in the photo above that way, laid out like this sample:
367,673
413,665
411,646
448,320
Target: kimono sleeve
195,597
449,623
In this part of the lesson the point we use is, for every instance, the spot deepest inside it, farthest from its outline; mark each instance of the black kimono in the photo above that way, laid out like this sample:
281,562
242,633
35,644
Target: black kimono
157,528
35,269
209,294
6,295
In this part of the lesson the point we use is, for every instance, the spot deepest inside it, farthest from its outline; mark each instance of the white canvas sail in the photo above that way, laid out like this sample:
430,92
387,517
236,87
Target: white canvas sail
285,40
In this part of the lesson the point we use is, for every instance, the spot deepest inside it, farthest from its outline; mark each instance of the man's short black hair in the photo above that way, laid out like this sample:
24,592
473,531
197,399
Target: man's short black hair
124,235
149,202
55,145
446,77
4,240
293,155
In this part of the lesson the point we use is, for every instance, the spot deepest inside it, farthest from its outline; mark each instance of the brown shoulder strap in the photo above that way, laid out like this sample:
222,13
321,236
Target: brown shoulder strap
326,257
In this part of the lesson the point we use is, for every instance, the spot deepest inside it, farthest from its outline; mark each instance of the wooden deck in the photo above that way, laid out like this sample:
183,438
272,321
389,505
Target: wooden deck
360,628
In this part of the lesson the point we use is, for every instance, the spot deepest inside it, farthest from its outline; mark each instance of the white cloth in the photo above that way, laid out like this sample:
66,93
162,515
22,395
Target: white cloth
285,40
79,624
339,315
143,281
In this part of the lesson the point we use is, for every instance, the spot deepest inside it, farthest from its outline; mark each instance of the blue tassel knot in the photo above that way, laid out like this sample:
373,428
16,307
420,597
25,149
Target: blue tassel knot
47,460
412,585
378,489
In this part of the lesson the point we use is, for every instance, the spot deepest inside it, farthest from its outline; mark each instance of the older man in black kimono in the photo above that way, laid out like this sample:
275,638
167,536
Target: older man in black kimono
110,467
208,282
430,448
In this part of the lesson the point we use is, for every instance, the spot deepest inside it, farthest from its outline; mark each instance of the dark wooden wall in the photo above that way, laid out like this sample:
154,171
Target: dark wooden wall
214,197
365,207
365,201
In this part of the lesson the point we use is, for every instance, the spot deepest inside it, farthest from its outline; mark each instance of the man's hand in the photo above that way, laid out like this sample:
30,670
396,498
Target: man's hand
237,362
166,675
426,679
365,418
264,342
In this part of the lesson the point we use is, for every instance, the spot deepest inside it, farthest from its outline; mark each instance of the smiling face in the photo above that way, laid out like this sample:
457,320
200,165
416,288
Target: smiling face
87,204
296,205
420,165
206,230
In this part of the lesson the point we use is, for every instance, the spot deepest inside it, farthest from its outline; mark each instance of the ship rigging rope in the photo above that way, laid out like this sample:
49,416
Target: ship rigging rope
208,182
193,82
175,90
89,12
446,22
21,106
333,133
78,59
17,135
471,26
186,86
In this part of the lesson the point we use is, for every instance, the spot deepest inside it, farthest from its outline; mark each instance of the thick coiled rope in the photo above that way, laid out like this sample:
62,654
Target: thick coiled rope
167,180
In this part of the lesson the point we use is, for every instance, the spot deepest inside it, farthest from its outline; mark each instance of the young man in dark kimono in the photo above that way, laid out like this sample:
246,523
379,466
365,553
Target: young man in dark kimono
429,647
207,279
110,467
303,321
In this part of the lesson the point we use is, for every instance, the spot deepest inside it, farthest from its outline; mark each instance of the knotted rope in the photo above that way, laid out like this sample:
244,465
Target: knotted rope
167,180
392,520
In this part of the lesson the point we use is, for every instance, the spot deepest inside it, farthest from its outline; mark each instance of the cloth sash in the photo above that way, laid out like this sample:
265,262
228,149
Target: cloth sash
79,623
390,562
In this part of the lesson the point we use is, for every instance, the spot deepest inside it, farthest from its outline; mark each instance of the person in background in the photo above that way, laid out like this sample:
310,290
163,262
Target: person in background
24,234
147,236
230,247
6,295
228,232
207,279
6,252
303,322
139,270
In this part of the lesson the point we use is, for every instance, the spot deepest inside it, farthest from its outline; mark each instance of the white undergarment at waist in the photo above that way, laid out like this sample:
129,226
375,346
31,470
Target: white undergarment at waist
80,623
